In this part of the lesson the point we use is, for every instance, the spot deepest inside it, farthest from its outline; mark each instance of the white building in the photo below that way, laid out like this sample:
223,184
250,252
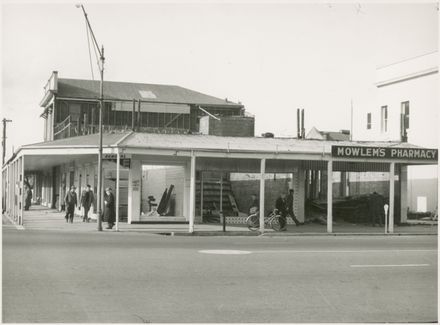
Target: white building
406,110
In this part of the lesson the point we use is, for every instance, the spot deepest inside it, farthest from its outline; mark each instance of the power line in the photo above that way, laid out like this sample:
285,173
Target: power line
90,53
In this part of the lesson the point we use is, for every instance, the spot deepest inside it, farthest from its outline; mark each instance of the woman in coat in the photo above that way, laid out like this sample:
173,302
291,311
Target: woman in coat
109,208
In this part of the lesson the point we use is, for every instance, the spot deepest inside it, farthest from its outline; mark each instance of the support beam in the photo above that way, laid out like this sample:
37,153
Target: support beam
201,195
192,193
329,196
22,192
403,179
134,193
262,173
117,189
391,212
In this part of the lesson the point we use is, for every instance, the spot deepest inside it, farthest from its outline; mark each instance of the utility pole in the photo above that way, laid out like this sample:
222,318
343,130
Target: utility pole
4,139
101,107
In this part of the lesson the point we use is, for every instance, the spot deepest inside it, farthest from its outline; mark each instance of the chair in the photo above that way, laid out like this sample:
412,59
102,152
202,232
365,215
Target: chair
151,203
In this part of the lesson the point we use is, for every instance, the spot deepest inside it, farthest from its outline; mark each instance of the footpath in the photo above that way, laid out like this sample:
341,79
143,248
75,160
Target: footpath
42,218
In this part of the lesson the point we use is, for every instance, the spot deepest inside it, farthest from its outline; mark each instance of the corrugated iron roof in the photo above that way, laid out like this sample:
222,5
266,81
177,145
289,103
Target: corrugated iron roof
108,139
212,143
255,144
90,89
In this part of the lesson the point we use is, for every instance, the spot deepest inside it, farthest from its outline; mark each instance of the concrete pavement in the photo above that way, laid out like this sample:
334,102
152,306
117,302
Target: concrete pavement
48,219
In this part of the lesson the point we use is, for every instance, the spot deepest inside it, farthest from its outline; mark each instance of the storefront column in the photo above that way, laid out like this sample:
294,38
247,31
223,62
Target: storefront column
403,179
329,196
20,220
134,192
192,193
117,189
262,174
391,211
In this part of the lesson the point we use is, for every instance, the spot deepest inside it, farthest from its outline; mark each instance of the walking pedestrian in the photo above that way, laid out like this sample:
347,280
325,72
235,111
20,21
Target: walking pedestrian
280,205
109,208
87,199
289,203
71,202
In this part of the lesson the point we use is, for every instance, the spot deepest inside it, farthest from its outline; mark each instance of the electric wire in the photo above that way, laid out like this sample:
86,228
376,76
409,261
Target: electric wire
90,53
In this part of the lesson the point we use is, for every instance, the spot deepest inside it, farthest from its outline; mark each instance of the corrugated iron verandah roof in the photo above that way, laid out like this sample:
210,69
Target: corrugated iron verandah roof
286,152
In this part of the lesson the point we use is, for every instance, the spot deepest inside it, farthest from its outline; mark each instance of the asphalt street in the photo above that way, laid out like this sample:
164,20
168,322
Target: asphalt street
92,277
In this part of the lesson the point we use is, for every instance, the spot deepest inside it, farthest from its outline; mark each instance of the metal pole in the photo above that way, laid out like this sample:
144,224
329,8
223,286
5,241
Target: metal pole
298,132
262,172
20,220
192,192
391,217
133,112
4,139
117,189
222,217
101,107
385,207
201,195
329,196
139,116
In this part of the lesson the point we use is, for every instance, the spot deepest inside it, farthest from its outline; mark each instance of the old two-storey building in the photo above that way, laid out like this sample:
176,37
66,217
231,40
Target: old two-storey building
169,153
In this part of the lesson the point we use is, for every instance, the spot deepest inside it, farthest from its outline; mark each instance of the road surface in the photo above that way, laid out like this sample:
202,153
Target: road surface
52,276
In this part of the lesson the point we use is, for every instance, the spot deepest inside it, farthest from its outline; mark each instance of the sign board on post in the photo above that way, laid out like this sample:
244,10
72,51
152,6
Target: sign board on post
112,156
384,152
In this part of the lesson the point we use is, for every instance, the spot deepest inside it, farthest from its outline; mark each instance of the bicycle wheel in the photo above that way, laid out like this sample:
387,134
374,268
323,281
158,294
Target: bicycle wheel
253,222
275,223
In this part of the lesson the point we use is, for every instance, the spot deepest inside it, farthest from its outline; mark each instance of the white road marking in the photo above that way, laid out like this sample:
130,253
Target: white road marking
224,252
391,265
348,251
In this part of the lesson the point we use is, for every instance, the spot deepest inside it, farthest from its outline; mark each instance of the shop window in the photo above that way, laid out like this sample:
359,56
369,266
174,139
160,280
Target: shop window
384,119
404,120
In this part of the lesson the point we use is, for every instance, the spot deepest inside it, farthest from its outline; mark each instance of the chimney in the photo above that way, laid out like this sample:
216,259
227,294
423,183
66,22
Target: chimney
303,129
298,133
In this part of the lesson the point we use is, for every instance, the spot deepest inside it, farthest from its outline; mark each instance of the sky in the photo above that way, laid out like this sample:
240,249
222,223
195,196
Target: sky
272,57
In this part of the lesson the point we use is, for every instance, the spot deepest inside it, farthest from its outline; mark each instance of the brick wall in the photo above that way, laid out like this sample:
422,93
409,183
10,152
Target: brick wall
244,189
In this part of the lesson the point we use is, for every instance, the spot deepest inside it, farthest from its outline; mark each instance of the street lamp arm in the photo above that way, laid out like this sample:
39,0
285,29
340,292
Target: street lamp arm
101,53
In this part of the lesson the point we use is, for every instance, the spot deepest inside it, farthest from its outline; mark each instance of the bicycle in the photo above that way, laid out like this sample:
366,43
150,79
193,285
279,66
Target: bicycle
272,220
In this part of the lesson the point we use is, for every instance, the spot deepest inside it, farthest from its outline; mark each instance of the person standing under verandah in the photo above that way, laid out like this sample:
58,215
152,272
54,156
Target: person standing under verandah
280,206
87,199
109,208
28,200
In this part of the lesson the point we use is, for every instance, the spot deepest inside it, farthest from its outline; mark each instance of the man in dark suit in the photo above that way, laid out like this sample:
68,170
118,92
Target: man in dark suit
87,199
109,208
280,205
71,202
